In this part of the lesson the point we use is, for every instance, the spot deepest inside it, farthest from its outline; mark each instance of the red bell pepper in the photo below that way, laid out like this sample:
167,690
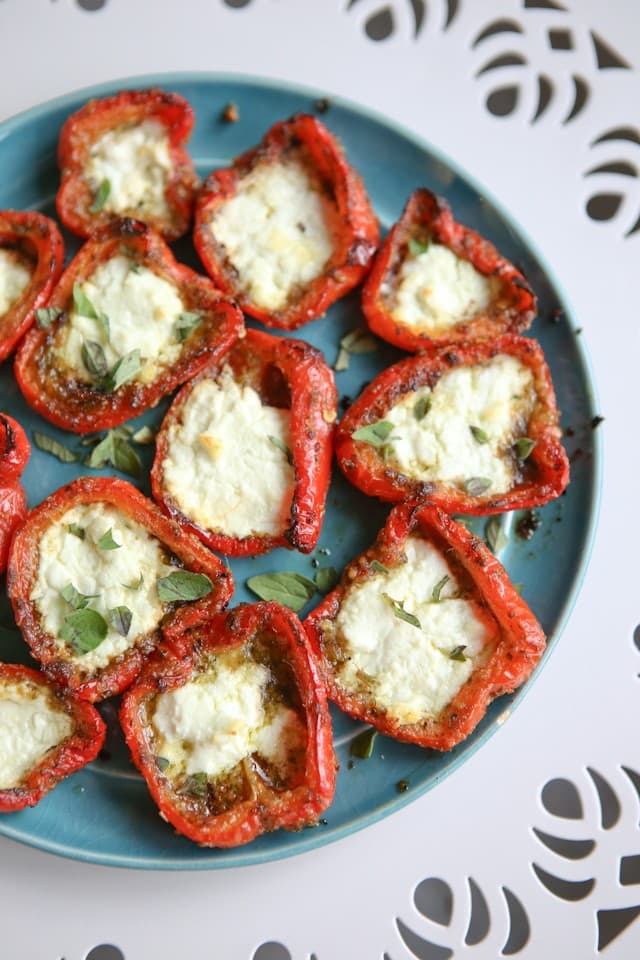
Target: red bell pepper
355,228
14,454
515,641
291,375
68,401
76,750
36,242
84,205
182,551
428,219
540,466
257,792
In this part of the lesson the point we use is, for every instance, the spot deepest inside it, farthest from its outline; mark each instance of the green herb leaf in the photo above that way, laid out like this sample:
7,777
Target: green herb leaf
495,534
105,325
523,447
357,341
106,541
195,785
476,485
120,619
183,585
187,323
45,316
422,406
458,653
401,613
125,369
277,442
76,530
416,247
290,589
77,600
379,567
135,586
437,590
84,630
161,763
114,449
81,303
374,434
479,434
362,745
50,445
518,588
144,435
326,579
94,359
101,197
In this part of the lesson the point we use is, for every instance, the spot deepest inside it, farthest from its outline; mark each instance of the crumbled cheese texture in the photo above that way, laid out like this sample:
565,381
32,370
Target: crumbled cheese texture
222,466
436,290
276,232
135,161
496,397
114,576
14,278
142,310
407,670
213,722
30,725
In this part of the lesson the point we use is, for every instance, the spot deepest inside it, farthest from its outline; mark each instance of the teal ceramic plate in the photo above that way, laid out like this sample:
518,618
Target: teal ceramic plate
104,813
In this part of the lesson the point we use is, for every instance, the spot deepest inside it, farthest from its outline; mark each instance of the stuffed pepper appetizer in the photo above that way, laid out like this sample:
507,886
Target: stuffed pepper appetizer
124,156
125,325
31,259
94,574
46,734
424,631
474,429
244,454
14,454
229,726
288,229
435,282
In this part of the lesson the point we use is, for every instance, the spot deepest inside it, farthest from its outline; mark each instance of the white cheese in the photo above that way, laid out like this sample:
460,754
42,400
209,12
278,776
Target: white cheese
276,232
111,574
142,309
222,466
408,670
497,397
212,723
30,725
14,278
135,161
436,289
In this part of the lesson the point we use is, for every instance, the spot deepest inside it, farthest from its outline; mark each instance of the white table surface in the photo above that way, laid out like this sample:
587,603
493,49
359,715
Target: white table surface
354,900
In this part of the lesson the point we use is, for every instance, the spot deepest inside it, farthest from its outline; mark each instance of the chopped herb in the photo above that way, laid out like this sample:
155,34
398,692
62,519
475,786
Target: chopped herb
45,316
82,304
183,585
437,590
379,567
134,586
101,197
357,341
402,786
125,369
458,653
94,359
326,579
374,434
290,589
114,449
196,785
77,600
84,630
143,435
105,325
476,486
120,619
283,447
416,247
528,524
422,406
187,323
321,105
523,447
76,530
362,745
478,434
106,541
495,534
50,445
161,763
401,613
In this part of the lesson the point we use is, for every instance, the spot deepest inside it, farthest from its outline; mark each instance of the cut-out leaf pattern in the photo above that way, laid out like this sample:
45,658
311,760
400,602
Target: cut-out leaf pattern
383,20
614,179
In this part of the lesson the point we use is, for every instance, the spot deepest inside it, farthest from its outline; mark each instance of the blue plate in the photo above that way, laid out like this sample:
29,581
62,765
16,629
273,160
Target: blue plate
104,813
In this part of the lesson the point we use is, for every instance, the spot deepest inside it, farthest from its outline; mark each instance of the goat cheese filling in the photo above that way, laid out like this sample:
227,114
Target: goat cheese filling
30,726
15,277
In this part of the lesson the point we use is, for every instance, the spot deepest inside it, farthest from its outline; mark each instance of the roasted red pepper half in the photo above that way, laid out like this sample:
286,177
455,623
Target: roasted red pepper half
14,454
31,259
243,457
437,282
94,574
289,228
124,156
127,324
474,429
223,776
51,734
424,631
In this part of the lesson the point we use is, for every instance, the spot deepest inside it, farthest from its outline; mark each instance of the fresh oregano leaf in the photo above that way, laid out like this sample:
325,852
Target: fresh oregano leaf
437,590
161,763
81,303
476,486
76,530
374,434
479,435
101,196
195,785
326,579
50,445
94,359
290,589
523,447
357,341
187,323
123,371
379,567
495,534
422,406
401,613
362,745
106,541
84,630
113,448
105,325
183,585
416,247
277,442
76,599
45,316
120,619
458,653
135,586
